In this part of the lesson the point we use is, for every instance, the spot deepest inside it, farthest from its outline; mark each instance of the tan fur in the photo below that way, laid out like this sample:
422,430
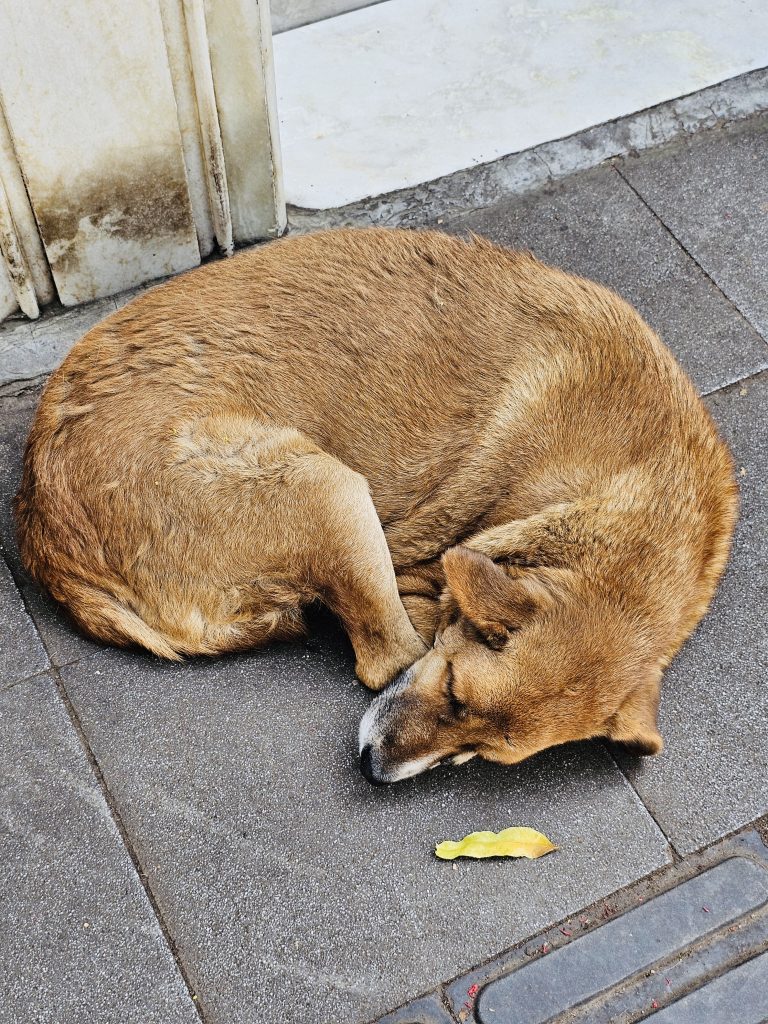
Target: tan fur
230,445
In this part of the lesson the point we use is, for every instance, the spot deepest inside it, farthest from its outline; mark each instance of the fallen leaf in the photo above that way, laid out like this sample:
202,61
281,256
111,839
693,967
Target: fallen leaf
511,842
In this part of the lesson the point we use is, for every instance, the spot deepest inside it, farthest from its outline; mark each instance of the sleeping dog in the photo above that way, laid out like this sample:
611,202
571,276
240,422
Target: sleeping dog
493,472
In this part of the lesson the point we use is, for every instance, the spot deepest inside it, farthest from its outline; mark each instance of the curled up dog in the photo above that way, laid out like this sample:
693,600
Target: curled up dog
494,473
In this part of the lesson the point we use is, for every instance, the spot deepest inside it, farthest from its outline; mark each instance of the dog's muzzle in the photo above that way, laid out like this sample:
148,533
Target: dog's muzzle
367,766
378,721
373,729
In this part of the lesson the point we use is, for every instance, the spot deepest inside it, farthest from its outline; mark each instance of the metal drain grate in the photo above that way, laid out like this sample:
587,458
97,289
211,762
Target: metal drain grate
602,965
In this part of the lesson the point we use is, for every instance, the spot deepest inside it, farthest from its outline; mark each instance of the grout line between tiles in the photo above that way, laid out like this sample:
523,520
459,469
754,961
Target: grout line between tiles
737,380
676,855
33,677
646,203
55,675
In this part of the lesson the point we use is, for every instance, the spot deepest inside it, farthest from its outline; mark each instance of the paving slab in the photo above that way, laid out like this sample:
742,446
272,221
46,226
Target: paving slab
711,190
21,651
592,224
292,886
31,348
713,775
406,91
80,942
63,643
519,173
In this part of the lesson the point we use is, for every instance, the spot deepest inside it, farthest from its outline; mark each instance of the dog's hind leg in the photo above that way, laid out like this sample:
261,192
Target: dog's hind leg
304,526
420,589
349,562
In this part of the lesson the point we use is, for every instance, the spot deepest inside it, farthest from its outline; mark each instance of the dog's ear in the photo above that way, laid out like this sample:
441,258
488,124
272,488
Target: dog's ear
549,538
495,601
635,723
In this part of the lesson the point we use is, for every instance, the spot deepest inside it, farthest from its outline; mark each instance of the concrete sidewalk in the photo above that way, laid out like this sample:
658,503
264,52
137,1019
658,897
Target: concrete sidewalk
195,842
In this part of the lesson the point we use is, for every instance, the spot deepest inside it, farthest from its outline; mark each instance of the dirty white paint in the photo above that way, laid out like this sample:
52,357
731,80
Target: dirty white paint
129,142
16,267
8,301
180,63
88,98
25,279
210,130
410,90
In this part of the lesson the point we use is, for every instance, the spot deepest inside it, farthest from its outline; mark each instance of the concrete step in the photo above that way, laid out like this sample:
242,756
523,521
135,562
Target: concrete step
407,91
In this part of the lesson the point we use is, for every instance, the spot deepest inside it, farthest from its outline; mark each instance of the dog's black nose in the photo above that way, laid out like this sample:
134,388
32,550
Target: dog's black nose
366,766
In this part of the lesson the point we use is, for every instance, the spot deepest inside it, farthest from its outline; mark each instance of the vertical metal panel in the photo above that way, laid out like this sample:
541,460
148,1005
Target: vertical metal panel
133,138
8,302
240,43
89,102
210,131
15,261
179,61
24,226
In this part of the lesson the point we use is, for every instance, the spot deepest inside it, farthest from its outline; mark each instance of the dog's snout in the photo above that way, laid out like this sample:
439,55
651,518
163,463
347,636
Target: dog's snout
366,766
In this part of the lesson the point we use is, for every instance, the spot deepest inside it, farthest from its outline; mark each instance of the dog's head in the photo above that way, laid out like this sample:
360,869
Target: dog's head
524,658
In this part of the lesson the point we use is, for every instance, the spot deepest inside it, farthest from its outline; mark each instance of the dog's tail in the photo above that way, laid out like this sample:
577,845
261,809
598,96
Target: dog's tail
105,617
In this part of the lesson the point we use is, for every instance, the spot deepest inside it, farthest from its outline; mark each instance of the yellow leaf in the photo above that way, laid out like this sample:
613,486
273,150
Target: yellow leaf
511,842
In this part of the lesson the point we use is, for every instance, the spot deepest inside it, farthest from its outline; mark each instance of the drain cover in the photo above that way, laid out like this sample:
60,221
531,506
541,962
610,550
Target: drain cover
649,942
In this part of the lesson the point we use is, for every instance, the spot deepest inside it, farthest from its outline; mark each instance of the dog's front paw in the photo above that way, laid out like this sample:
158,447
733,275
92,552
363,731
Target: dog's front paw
377,672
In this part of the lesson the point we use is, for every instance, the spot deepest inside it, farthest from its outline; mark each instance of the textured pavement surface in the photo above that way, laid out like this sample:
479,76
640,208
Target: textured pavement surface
195,841
239,780
721,217
80,941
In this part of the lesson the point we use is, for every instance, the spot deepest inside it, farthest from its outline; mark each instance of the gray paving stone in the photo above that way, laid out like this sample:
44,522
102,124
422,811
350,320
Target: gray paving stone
713,775
79,940
21,651
64,644
292,885
29,349
712,192
594,225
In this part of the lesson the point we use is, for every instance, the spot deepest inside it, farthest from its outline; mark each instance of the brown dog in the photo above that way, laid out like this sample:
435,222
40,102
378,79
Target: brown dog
484,466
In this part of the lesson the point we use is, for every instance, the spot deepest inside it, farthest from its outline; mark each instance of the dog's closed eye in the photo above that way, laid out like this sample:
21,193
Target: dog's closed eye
458,707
